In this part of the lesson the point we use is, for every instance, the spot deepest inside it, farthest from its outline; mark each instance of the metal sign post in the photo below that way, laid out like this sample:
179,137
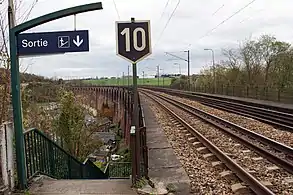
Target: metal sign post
133,44
14,34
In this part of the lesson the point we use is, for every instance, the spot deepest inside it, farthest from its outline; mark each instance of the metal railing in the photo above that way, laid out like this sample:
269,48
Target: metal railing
44,156
119,170
260,92
143,143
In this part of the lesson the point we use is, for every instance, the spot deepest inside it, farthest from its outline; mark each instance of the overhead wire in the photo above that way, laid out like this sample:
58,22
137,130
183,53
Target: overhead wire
117,12
218,10
164,10
221,23
168,21
29,12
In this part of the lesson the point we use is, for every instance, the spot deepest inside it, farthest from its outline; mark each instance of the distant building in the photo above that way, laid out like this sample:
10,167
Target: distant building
100,154
106,137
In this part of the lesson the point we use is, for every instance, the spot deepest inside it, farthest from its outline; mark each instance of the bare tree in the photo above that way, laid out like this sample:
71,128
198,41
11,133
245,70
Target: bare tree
20,16
233,64
270,48
282,70
257,67
251,55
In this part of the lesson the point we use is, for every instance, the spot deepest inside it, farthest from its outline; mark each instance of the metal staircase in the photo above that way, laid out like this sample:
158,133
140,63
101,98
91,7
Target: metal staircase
44,156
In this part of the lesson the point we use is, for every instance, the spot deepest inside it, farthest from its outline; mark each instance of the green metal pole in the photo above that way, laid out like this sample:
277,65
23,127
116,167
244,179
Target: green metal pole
136,120
16,102
57,15
133,155
136,117
17,115
15,78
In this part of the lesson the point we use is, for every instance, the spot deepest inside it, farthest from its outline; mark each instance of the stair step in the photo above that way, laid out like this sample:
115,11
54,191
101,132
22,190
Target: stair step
115,186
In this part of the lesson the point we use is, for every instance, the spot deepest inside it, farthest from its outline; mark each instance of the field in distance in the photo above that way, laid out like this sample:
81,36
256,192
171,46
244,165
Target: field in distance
121,81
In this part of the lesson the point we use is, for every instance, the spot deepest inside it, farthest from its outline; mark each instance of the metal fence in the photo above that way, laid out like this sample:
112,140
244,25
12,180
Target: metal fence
284,95
143,143
119,170
44,156
261,92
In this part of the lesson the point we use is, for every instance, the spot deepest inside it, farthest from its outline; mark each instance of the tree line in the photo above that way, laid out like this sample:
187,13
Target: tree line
262,66
265,61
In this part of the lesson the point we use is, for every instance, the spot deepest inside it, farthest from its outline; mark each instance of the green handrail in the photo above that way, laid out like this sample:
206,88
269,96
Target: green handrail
45,156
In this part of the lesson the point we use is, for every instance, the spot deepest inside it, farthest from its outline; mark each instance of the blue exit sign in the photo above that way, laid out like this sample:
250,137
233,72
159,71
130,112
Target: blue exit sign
52,42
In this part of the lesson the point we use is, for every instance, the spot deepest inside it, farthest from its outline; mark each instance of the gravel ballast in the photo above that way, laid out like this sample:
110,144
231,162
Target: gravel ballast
249,123
242,155
204,178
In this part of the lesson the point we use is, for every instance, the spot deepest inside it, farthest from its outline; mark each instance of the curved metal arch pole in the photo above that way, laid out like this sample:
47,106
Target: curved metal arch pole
15,80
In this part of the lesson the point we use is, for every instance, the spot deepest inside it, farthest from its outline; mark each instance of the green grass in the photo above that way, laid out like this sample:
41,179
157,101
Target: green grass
140,81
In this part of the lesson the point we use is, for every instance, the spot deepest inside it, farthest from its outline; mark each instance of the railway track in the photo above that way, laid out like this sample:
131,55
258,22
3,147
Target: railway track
275,152
267,114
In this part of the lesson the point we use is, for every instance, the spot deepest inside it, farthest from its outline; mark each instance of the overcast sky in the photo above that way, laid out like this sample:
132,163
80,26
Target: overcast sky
189,28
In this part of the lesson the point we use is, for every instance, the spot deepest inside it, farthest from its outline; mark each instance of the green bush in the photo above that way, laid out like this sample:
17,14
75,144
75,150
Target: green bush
100,165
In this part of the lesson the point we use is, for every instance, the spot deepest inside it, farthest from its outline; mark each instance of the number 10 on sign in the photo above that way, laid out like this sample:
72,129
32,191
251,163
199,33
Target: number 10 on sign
133,40
126,32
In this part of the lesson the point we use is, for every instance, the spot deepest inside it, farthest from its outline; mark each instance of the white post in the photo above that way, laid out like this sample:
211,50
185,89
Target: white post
7,157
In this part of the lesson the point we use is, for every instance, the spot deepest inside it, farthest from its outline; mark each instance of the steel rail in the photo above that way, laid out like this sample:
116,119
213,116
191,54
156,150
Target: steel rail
228,127
245,176
267,115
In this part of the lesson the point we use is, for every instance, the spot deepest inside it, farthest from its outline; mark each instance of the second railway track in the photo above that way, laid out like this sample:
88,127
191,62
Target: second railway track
281,119
275,152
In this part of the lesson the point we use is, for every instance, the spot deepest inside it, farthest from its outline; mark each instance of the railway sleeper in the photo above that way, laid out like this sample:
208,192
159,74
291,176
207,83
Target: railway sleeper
229,175
272,168
210,157
224,171
240,188
197,144
203,150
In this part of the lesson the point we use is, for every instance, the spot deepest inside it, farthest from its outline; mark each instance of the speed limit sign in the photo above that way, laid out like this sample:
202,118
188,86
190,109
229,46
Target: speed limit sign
133,40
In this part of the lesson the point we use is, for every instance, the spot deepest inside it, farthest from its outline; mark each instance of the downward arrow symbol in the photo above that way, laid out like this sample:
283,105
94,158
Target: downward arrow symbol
77,42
